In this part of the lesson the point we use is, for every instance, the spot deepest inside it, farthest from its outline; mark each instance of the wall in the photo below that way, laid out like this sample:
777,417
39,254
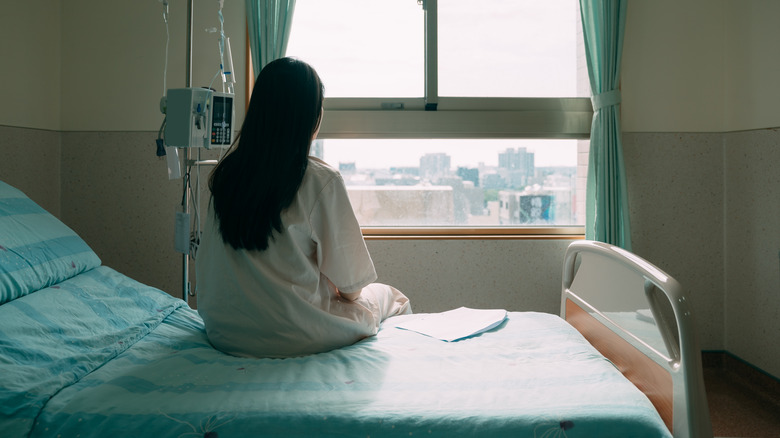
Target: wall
699,90
30,161
439,275
672,113
676,201
30,81
696,74
752,65
753,247
116,195
752,183
114,56
30,116
672,71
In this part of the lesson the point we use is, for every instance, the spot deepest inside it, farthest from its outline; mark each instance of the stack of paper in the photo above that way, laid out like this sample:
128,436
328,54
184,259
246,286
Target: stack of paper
455,324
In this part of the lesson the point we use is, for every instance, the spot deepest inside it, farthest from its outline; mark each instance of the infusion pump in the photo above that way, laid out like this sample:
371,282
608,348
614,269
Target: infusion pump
199,117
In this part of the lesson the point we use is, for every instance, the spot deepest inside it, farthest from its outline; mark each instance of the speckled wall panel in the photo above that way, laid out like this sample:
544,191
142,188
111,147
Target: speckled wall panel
675,185
116,193
440,275
30,161
753,247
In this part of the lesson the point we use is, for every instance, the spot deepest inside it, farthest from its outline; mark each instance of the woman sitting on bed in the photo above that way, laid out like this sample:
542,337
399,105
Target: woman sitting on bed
282,268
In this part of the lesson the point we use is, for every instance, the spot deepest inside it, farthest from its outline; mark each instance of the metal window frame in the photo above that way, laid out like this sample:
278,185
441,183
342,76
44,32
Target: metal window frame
436,117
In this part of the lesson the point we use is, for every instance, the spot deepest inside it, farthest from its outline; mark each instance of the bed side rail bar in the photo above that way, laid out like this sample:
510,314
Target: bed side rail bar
690,411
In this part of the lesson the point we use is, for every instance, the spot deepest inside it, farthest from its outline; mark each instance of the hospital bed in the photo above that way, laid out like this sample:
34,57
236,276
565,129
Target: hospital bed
87,351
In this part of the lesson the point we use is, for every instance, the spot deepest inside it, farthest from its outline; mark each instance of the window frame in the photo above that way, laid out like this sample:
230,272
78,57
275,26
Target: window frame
437,117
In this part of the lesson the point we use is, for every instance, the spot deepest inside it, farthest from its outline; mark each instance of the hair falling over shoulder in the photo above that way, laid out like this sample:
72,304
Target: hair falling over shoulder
261,175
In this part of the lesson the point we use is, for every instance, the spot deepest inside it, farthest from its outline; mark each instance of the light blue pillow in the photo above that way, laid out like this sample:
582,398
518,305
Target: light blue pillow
36,249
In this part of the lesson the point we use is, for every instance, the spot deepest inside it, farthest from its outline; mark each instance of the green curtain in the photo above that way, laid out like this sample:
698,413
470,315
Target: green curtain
268,23
603,25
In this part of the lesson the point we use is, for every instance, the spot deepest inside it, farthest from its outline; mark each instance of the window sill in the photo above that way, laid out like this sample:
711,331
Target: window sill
481,233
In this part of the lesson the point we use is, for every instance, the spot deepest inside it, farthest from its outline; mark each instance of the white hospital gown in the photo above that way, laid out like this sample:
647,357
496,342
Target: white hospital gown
282,302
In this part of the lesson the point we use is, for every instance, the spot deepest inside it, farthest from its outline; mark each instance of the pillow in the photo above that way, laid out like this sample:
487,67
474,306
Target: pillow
36,249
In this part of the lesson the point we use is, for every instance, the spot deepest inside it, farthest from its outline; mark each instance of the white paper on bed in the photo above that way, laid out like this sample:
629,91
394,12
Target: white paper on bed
456,324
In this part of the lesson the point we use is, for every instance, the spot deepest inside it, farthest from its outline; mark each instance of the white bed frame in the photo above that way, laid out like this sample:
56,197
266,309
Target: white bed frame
672,380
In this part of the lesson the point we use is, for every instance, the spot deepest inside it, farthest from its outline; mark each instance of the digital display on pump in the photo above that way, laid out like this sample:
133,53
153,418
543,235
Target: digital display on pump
221,120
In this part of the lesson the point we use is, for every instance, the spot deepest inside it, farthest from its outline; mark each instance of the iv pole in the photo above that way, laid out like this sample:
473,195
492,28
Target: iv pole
186,200
188,159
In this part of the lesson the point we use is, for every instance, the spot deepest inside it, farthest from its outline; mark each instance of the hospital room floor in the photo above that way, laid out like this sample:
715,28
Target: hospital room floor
743,402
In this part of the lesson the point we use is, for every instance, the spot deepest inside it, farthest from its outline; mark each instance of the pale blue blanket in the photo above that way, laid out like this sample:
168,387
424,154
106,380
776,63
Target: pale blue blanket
101,355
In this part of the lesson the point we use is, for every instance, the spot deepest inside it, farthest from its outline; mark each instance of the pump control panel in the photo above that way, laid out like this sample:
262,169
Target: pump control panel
199,117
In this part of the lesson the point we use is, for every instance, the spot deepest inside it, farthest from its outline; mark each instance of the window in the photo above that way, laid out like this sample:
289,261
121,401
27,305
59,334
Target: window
362,48
456,114
508,48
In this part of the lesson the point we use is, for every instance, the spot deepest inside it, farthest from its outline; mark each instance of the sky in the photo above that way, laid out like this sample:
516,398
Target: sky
463,153
375,48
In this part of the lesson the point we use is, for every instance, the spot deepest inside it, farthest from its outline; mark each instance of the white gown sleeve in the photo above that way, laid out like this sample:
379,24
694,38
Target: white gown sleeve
341,251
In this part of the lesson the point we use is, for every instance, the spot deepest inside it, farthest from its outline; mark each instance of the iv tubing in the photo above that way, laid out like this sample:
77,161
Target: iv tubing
167,42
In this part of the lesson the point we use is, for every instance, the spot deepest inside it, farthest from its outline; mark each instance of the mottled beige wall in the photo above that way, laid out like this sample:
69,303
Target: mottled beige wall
675,184
440,275
30,161
117,196
752,215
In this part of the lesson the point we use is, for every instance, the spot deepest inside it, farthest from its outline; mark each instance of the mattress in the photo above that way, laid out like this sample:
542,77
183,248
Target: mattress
103,355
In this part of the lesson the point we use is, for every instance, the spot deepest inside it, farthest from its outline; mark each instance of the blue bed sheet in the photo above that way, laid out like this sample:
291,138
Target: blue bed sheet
55,337
106,356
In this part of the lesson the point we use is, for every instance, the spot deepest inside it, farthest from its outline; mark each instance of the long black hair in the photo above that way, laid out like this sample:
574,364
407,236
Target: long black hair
260,176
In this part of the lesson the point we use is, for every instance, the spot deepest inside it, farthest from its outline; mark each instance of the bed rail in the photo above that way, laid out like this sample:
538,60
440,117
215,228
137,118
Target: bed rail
601,283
